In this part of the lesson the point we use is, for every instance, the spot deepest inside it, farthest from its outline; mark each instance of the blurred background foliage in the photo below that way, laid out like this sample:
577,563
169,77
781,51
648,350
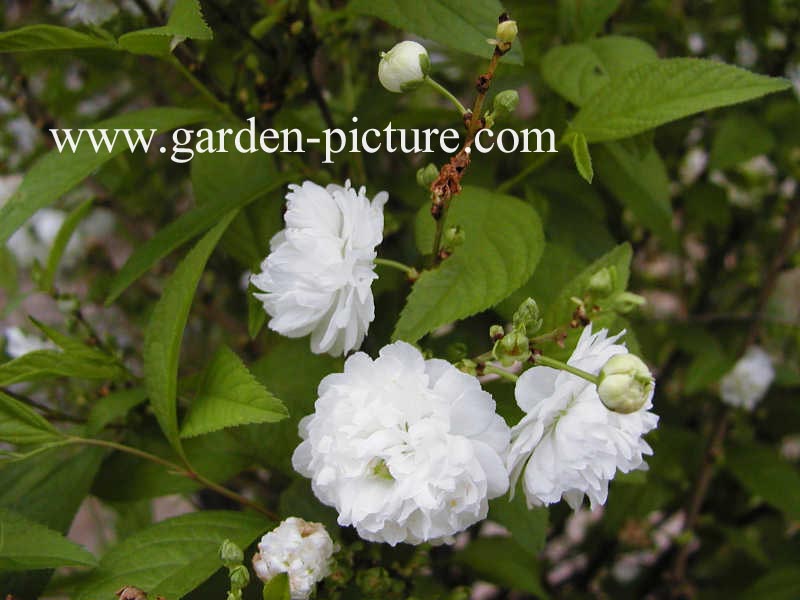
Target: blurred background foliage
708,205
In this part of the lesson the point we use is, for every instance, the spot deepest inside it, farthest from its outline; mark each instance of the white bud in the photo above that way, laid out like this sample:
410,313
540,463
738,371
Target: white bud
404,67
625,383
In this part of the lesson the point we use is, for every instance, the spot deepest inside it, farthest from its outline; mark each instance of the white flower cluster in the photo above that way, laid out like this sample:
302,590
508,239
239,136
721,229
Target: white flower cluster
412,450
298,548
317,278
747,383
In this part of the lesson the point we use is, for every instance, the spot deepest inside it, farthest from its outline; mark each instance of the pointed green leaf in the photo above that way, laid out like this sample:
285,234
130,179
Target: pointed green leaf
228,396
185,21
26,545
114,406
60,243
580,153
579,19
277,588
656,93
20,424
172,557
467,28
503,244
162,340
49,37
55,174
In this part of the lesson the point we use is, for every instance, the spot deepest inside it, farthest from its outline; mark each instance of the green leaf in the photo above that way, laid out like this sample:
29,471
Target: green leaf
172,557
503,244
256,315
162,340
578,71
185,21
656,93
49,364
739,138
504,562
216,197
26,545
528,527
55,174
782,583
580,153
60,243
765,474
467,28
277,588
228,396
560,311
114,406
49,37
640,182
580,19
20,424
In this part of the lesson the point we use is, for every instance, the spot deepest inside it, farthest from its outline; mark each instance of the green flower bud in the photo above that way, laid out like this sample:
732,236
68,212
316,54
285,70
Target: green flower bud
506,32
602,283
230,554
626,302
513,347
240,577
527,318
453,237
467,366
505,103
625,384
427,175
496,332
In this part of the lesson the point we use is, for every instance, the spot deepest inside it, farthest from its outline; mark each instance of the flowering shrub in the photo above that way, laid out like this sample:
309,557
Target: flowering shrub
383,299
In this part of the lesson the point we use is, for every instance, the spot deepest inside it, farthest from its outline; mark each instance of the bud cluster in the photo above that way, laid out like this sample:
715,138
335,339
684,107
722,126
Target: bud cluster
232,557
514,345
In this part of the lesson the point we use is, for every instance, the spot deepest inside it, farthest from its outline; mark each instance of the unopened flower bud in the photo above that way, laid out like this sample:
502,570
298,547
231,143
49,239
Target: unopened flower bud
527,318
427,175
453,237
240,577
505,103
506,32
404,67
467,366
626,302
230,554
496,332
513,347
602,283
625,384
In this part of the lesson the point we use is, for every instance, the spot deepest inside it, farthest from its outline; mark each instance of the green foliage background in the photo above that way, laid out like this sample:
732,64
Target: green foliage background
165,353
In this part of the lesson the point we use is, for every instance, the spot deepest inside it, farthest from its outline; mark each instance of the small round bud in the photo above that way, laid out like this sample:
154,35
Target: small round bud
625,384
427,175
496,332
601,283
230,554
454,236
512,348
404,67
240,577
626,302
527,318
467,366
505,103
506,32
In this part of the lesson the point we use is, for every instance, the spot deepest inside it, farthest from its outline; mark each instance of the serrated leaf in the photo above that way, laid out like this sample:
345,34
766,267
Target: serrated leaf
162,340
20,424
640,182
765,474
60,243
185,21
277,588
578,71
228,396
114,406
26,545
172,557
503,244
49,364
49,37
581,155
656,93
55,174
467,28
